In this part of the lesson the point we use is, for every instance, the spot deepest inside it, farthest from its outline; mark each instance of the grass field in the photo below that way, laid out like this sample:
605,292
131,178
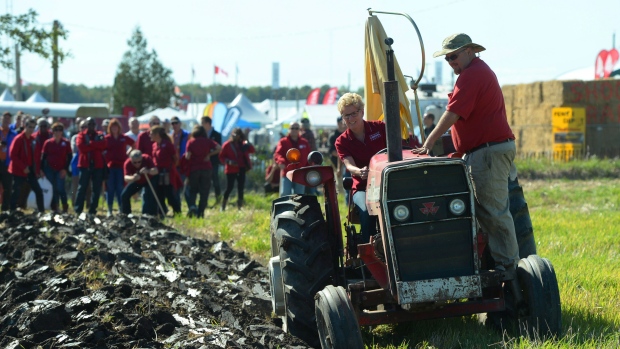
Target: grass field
576,225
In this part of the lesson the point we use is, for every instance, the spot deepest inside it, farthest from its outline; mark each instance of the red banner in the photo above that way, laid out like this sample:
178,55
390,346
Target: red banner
219,70
330,96
313,97
129,111
605,61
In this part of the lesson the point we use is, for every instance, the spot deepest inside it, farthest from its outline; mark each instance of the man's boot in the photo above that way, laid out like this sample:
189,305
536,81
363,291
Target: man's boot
223,208
239,204
65,208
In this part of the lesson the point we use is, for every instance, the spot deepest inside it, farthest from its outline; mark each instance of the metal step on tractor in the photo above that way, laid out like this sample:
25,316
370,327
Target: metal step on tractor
429,260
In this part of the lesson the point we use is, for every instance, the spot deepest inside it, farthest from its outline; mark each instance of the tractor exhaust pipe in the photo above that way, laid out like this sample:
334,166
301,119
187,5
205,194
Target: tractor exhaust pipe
391,109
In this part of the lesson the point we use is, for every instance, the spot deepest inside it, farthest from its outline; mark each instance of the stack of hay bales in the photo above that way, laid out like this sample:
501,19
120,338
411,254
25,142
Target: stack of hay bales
529,111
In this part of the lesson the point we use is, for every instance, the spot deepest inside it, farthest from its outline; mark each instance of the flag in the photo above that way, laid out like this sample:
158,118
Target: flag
330,96
219,70
193,72
24,82
313,97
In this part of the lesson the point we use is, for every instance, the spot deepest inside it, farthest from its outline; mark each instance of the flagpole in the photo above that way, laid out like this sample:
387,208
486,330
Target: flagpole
214,98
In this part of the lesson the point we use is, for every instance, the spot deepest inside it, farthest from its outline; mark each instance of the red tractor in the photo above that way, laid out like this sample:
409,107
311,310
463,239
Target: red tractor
429,260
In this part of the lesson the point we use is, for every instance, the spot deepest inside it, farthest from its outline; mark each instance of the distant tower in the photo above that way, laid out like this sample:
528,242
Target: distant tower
438,73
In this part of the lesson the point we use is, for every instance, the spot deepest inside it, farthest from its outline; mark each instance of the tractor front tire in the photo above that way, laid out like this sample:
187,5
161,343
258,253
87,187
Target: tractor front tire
336,320
306,264
543,309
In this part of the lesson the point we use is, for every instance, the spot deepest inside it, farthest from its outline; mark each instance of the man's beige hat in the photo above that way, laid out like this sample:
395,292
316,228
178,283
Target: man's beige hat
455,42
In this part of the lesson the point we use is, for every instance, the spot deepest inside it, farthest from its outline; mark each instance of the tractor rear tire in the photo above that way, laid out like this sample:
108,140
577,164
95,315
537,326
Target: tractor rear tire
336,320
306,264
522,221
541,296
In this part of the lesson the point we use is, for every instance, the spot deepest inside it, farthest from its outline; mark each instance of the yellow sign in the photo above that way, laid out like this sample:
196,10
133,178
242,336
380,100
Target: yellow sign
569,132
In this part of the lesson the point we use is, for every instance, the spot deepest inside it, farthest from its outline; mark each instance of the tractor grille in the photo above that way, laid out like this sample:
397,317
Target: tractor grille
434,250
432,242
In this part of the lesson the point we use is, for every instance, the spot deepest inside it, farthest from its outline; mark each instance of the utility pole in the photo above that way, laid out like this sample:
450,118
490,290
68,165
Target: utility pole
18,75
55,62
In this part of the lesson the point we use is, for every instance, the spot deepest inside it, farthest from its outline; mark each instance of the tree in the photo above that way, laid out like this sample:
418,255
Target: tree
30,38
141,80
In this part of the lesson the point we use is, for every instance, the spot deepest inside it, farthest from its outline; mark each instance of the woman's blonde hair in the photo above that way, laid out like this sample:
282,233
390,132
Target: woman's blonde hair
348,99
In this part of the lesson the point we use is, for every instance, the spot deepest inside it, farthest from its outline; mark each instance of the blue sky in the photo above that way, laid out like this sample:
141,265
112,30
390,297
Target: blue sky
318,42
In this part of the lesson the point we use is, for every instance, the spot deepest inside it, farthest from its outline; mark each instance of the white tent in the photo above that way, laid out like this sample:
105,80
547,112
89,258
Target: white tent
578,74
322,115
7,96
163,114
59,110
37,98
248,112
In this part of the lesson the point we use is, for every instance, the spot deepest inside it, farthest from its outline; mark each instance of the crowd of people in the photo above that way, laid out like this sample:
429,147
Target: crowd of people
164,166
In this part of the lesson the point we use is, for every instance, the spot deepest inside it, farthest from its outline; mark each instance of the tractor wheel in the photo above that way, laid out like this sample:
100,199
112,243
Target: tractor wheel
521,217
541,297
280,205
336,320
306,264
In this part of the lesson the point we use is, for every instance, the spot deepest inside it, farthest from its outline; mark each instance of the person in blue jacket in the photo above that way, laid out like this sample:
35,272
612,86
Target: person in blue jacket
6,138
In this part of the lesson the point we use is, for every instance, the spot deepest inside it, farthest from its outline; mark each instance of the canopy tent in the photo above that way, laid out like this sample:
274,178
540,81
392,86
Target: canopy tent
37,98
7,96
578,74
248,112
321,116
59,110
163,114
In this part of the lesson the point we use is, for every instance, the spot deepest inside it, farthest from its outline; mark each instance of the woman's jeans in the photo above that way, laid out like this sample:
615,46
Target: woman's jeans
58,185
114,188
368,223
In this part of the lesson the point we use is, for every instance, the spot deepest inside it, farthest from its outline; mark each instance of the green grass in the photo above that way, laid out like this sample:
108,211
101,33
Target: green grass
576,225
591,168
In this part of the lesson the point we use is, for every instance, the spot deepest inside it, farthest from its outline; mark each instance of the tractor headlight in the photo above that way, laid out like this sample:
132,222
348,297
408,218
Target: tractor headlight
313,178
457,206
401,213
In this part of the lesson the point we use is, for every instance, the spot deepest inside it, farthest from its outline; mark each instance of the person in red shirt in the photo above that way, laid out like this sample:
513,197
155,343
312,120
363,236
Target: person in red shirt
90,144
355,147
165,158
117,147
136,169
43,133
477,115
145,145
25,165
235,156
55,160
198,151
292,140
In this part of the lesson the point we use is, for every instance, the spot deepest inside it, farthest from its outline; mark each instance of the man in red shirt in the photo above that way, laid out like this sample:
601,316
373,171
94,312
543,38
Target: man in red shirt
55,161
90,144
480,129
25,165
293,140
136,168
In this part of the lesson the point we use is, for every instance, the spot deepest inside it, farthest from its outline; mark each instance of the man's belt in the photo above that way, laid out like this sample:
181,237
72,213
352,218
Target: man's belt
488,144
